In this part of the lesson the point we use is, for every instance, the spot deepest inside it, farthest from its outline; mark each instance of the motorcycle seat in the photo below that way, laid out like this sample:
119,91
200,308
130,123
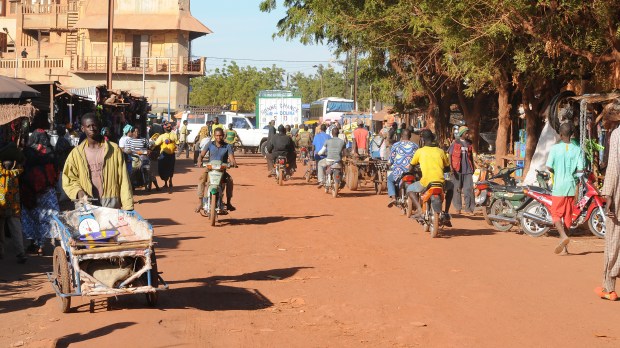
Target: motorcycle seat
514,189
539,189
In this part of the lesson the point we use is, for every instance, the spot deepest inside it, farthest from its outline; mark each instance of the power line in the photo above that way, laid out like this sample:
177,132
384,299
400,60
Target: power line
274,60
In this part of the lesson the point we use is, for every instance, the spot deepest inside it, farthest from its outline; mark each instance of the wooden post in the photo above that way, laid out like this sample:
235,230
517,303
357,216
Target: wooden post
110,43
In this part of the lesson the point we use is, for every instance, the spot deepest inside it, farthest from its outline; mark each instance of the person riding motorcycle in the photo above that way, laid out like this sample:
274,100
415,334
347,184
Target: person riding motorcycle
218,150
334,148
281,145
433,164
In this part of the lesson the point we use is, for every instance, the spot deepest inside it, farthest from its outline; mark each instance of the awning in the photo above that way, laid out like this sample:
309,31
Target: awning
11,88
96,17
11,112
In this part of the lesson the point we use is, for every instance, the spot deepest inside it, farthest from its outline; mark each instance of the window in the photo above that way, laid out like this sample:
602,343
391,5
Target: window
239,122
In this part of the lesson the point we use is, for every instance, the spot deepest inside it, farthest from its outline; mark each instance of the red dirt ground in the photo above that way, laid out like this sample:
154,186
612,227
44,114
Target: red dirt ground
295,267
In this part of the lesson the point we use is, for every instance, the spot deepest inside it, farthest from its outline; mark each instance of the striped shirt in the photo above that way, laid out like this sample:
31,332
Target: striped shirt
137,144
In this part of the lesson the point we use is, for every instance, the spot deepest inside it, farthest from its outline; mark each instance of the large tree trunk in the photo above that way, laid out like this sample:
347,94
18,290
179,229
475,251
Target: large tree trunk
472,115
503,131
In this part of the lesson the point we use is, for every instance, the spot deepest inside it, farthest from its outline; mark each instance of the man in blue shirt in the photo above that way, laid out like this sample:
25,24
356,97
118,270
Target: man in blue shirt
318,142
218,150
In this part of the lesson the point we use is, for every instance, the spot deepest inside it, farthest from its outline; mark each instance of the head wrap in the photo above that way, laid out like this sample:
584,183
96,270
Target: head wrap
463,130
128,128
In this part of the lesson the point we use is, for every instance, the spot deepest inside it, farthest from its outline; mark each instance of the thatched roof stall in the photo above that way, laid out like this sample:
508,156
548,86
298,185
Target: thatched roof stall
12,112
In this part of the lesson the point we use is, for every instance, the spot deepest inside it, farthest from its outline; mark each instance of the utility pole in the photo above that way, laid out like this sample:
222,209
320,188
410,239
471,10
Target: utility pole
346,76
110,43
355,77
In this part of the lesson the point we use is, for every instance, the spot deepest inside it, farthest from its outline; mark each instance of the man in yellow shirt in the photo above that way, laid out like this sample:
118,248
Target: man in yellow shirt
433,163
217,124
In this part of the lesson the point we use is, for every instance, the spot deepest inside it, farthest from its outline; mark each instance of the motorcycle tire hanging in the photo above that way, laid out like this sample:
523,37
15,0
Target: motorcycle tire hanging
212,210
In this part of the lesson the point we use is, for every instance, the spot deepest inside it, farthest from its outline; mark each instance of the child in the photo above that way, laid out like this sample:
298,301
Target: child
10,207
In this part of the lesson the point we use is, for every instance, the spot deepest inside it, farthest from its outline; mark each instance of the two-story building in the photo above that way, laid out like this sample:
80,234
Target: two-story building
66,41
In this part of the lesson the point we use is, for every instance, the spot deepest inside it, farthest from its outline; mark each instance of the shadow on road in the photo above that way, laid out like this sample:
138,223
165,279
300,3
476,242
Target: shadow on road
162,222
211,295
170,241
67,340
152,200
265,220
455,232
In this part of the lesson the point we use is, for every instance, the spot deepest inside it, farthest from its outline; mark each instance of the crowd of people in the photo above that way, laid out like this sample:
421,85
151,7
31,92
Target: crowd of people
34,178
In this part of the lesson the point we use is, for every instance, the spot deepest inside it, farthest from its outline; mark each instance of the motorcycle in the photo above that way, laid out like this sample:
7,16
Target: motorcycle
140,170
432,202
487,191
333,178
282,170
311,168
212,203
403,201
589,208
304,155
507,203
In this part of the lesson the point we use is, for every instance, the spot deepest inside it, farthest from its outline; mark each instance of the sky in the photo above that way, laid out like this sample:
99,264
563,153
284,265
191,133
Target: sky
242,31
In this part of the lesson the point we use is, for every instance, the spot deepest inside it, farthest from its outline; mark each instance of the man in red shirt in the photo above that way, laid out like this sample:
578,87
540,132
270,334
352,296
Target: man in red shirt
360,137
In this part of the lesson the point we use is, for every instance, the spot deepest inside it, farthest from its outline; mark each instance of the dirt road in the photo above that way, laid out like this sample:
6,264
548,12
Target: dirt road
294,267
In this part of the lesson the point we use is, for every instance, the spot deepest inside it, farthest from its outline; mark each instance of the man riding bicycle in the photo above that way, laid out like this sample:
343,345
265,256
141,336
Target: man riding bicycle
433,164
218,150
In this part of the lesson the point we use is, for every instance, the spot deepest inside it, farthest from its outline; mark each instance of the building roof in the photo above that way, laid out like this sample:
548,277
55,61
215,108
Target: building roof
96,17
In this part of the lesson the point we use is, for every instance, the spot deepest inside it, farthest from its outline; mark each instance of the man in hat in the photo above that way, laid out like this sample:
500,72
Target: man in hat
462,162
611,191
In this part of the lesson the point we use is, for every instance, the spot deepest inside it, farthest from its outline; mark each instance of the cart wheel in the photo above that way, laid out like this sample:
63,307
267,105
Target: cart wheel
352,177
62,277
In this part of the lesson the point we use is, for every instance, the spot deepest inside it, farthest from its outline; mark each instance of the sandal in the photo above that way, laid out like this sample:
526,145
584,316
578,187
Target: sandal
611,296
562,245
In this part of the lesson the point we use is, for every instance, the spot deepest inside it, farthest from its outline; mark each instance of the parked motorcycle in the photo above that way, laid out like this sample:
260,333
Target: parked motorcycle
589,208
507,203
213,201
484,188
334,180
282,170
432,203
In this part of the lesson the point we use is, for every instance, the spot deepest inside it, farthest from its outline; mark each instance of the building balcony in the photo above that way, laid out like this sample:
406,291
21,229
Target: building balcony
137,65
49,16
97,65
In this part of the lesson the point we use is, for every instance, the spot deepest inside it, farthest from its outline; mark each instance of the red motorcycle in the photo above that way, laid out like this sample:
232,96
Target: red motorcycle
590,208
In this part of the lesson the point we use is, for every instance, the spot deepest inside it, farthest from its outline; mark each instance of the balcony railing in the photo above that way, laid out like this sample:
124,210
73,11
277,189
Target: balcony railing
47,16
49,8
32,63
122,65
137,65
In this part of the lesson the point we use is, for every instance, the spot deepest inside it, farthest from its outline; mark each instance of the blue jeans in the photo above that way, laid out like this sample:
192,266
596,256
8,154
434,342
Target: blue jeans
391,185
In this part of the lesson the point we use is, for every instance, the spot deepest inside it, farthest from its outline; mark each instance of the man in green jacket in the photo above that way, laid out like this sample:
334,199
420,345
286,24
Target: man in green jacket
96,169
